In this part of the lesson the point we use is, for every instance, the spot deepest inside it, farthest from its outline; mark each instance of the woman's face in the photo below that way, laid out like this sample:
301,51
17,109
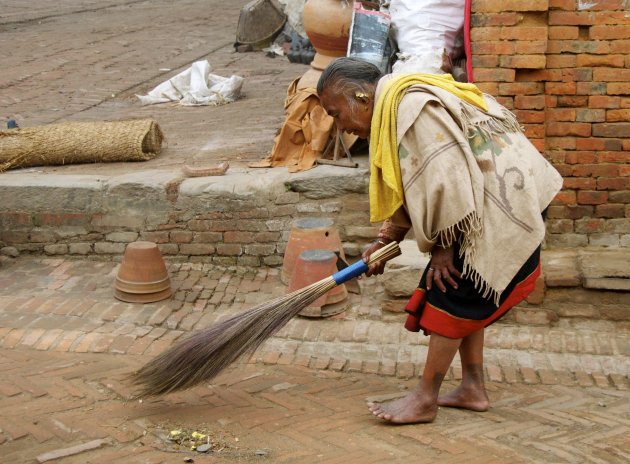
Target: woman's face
354,119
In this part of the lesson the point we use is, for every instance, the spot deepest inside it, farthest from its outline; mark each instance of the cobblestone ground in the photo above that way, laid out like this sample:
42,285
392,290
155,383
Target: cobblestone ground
66,346
67,305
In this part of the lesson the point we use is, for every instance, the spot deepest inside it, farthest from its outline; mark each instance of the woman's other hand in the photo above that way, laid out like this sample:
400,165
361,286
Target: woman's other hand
442,269
376,267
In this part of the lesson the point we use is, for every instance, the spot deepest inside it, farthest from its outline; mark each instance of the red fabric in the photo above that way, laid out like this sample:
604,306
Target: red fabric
432,319
469,67
416,302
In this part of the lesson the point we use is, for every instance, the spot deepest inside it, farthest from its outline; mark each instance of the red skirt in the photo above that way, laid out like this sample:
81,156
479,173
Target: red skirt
462,311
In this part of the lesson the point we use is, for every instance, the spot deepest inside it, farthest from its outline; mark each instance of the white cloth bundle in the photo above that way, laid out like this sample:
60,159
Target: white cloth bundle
196,87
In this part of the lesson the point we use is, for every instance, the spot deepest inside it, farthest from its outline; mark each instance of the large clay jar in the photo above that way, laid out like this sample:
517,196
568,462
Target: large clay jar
327,24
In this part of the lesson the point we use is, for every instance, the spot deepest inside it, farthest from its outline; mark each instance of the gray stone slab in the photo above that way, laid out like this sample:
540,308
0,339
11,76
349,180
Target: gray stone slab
403,272
607,284
243,182
606,269
560,268
32,192
330,181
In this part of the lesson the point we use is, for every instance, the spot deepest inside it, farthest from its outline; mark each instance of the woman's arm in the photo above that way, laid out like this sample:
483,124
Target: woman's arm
393,229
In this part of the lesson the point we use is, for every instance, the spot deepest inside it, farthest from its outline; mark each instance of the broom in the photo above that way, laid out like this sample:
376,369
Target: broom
205,354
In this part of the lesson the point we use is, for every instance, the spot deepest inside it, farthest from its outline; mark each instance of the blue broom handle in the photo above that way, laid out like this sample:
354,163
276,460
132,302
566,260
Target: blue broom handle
349,273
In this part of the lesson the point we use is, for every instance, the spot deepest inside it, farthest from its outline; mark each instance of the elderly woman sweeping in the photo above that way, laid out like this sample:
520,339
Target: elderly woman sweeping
453,164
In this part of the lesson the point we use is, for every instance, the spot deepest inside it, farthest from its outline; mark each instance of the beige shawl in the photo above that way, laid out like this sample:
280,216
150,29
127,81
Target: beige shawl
473,176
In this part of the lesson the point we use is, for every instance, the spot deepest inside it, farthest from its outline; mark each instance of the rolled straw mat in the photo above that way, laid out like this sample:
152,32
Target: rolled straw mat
80,142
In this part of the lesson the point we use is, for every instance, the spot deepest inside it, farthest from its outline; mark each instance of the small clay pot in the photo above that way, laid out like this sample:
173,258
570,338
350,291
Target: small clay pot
312,266
142,263
142,276
142,297
309,234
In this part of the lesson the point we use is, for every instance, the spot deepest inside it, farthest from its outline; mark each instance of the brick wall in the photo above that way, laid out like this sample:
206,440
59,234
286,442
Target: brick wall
563,67
194,220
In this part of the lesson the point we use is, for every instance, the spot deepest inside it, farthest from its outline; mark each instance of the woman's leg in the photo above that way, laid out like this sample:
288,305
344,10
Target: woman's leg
420,405
471,393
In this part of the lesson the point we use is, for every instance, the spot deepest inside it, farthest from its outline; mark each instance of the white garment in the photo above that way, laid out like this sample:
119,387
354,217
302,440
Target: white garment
195,87
424,29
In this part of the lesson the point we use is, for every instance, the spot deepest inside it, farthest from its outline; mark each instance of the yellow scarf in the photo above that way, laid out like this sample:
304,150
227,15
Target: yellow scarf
386,188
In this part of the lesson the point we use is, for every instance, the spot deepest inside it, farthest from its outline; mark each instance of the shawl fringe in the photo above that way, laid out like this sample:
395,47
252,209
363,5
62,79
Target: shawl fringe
471,225
473,125
481,284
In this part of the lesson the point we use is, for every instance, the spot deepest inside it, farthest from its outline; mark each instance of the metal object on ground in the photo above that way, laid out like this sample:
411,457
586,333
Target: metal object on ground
338,143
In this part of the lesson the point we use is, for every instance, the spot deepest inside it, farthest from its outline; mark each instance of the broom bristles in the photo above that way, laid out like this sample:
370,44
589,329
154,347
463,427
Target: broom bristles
205,354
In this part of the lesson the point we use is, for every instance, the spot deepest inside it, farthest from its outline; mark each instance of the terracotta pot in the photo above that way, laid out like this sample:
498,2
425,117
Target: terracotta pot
142,276
309,234
312,266
142,263
142,297
142,287
327,24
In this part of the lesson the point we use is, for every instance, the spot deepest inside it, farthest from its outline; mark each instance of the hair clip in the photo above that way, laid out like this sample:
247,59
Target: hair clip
362,97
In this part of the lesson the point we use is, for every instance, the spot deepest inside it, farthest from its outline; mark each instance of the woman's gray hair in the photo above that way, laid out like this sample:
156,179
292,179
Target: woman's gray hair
348,76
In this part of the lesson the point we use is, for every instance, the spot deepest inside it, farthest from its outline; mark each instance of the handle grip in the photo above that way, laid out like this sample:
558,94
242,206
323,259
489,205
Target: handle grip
355,270
349,273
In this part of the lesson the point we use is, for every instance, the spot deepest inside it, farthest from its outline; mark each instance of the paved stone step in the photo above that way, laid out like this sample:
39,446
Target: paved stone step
523,359
122,319
67,306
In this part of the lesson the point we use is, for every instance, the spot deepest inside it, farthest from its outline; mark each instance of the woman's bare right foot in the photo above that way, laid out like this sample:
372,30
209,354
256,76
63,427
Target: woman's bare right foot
474,398
411,409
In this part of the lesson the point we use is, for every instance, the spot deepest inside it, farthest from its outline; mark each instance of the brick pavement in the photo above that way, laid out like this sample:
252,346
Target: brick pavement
560,391
559,394
67,306
51,401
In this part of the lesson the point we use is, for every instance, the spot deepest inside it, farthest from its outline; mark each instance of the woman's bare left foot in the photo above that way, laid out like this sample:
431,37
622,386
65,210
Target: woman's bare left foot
473,398
411,409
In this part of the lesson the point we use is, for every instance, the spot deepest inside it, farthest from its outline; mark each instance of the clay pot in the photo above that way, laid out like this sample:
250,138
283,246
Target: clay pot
142,276
327,24
142,297
309,234
312,266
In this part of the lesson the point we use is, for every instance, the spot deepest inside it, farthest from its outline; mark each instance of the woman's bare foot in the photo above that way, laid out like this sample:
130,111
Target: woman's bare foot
474,398
411,409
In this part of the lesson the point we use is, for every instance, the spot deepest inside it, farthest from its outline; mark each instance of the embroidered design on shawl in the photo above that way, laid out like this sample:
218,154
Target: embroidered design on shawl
499,156
486,134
